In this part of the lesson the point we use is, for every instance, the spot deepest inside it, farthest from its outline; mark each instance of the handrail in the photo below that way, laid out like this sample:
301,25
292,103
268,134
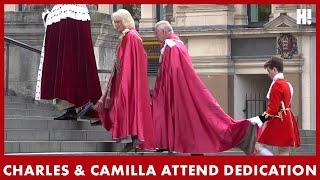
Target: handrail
21,44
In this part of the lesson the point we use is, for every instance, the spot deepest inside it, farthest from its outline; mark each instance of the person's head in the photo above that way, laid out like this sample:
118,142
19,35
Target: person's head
274,66
122,19
162,29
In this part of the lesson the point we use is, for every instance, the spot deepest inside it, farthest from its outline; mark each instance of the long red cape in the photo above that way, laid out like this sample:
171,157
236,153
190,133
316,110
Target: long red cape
130,113
187,117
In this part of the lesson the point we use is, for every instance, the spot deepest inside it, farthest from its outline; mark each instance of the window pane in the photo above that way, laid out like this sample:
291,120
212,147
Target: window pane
254,13
264,12
159,12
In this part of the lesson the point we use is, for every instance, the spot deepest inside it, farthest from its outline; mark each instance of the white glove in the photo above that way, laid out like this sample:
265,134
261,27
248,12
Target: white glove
256,121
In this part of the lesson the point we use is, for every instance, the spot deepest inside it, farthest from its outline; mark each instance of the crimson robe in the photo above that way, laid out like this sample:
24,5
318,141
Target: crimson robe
69,67
129,111
187,117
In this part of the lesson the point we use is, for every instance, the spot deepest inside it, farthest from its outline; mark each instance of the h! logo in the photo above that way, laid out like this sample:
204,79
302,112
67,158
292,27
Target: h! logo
304,16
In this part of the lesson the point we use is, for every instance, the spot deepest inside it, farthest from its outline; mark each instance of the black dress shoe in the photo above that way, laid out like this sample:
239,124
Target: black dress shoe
71,114
84,109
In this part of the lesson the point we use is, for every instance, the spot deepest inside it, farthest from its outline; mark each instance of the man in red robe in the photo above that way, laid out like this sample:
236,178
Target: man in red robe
187,117
281,127
125,105
67,71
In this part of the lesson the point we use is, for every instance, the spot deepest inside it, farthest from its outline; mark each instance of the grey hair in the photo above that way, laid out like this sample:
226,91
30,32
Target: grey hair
125,17
164,25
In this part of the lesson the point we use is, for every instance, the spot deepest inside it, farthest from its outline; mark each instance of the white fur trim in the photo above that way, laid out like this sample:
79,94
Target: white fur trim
63,11
43,15
291,89
38,86
171,43
277,76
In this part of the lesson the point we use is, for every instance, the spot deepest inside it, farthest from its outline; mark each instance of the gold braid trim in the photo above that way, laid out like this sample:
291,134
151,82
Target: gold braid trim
279,115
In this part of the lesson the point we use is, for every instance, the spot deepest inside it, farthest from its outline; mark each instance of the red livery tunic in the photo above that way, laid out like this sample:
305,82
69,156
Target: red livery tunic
281,129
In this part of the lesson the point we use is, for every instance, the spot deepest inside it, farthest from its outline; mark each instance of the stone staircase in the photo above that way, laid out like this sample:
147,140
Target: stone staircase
31,130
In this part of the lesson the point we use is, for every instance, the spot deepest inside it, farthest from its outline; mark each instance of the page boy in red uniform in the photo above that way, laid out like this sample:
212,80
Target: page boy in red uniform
280,128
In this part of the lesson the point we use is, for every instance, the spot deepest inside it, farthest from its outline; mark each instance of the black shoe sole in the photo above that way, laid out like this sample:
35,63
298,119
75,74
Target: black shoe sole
74,119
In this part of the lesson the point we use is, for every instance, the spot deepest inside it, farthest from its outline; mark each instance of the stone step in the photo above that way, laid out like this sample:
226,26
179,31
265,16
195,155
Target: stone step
138,153
304,149
20,99
31,112
308,140
42,124
16,105
10,117
49,124
56,135
305,133
232,152
61,146
91,154
30,129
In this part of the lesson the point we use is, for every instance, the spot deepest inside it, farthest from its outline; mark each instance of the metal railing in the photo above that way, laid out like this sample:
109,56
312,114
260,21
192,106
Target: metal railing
255,105
9,41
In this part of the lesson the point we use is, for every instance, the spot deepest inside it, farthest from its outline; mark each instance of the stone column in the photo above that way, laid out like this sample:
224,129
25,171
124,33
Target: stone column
308,82
147,16
240,17
104,8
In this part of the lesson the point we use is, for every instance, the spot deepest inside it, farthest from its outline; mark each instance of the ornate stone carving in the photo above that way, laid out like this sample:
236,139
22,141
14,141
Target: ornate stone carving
287,46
